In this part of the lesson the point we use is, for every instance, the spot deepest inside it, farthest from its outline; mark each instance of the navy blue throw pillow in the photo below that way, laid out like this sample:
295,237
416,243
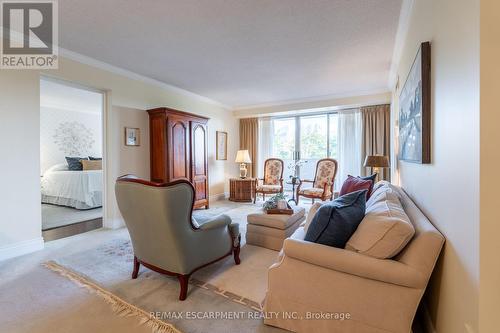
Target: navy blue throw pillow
95,158
74,163
336,221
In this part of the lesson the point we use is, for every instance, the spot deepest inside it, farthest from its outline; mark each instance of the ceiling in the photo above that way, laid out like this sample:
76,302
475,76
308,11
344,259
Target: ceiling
241,52
65,97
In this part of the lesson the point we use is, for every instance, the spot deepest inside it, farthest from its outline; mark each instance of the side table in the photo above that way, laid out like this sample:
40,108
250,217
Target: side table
241,189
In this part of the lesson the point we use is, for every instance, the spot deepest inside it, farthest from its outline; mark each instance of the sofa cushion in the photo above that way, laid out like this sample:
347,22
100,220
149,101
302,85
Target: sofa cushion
312,211
269,188
335,222
352,184
385,229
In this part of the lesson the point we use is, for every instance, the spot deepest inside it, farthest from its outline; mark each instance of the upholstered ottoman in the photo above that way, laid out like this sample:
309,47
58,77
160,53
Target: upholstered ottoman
270,230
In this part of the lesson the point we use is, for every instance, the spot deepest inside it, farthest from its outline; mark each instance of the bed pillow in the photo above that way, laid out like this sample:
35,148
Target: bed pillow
336,221
74,163
385,229
58,167
95,158
92,165
353,184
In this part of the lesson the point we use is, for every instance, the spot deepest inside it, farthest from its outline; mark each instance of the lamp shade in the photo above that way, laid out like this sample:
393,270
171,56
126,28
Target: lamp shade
242,156
376,161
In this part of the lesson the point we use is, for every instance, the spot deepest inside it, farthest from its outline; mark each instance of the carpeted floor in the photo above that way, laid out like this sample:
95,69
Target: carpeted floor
36,299
54,216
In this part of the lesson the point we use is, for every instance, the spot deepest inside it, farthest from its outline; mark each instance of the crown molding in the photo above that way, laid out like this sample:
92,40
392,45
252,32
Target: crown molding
382,90
134,76
401,34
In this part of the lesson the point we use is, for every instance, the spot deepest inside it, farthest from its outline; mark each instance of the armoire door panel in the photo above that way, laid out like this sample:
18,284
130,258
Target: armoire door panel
179,146
199,161
158,154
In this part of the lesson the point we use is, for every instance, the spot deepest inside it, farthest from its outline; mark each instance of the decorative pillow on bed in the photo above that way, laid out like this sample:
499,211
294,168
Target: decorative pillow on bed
92,165
74,163
95,158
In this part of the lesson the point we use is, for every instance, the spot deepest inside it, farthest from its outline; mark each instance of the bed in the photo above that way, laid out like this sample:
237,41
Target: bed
77,189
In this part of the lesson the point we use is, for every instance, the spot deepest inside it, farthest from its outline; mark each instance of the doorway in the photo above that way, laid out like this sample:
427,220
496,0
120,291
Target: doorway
71,158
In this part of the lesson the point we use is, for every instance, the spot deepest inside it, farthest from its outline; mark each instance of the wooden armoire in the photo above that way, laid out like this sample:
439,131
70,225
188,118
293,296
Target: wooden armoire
178,145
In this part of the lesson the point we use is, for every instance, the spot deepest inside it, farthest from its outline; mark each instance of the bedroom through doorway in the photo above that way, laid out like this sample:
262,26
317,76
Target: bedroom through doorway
71,158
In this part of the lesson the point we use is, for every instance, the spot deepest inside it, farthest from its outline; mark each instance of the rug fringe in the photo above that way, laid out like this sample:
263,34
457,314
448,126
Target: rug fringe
118,305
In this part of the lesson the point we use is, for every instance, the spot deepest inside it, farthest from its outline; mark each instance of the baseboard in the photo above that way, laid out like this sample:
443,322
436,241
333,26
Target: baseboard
220,196
428,325
113,223
21,248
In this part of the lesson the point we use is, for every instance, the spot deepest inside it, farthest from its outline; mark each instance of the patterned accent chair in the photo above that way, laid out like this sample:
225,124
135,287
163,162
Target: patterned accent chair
322,185
165,236
273,178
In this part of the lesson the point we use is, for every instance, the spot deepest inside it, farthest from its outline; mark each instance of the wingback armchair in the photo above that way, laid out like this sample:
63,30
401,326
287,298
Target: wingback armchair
273,178
165,236
322,185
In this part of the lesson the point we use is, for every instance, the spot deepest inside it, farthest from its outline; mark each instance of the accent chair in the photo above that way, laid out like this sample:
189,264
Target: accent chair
322,185
272,182
165,236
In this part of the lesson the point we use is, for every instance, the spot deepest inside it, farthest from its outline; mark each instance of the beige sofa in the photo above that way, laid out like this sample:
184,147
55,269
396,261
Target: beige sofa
317,288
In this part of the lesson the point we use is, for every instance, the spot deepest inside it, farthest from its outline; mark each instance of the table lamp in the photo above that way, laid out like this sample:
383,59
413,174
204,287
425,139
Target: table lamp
376,162
243,157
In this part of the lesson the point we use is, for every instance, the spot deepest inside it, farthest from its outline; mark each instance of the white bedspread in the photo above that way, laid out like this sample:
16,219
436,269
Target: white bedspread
78,189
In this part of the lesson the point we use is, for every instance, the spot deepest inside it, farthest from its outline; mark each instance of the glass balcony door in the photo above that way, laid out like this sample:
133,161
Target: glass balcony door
306,138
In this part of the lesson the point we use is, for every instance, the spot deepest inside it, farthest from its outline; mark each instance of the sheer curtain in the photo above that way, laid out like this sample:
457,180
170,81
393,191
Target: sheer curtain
349,145
265,146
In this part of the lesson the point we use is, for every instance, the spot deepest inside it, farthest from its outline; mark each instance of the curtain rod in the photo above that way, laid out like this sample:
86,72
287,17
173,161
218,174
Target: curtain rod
318,113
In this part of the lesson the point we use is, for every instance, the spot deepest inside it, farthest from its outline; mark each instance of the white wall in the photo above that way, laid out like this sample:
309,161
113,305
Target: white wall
20,210
51,119
20,221
447,190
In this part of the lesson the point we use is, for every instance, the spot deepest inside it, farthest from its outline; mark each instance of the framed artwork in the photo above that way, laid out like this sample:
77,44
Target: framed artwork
221,148
132,136
415,110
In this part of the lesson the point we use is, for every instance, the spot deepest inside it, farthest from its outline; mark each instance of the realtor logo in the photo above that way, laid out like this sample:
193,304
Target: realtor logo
29,34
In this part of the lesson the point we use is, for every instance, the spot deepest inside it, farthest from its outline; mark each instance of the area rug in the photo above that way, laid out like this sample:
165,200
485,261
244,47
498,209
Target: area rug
221,297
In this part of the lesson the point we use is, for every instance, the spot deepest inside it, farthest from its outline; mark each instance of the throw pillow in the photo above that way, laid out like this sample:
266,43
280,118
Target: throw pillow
372,178
95,158
310,215
385,229
74,163
353,184
92,165
336,221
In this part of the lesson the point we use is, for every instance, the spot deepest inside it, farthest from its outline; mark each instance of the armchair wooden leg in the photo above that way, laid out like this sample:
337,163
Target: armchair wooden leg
136,268
236,252
183,280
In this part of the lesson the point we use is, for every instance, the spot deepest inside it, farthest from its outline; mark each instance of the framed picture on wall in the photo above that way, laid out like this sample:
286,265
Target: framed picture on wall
132,136
415,110
221,148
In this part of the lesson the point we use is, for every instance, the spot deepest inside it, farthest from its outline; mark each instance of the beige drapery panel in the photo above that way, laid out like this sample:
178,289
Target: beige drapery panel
249,139
375,137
